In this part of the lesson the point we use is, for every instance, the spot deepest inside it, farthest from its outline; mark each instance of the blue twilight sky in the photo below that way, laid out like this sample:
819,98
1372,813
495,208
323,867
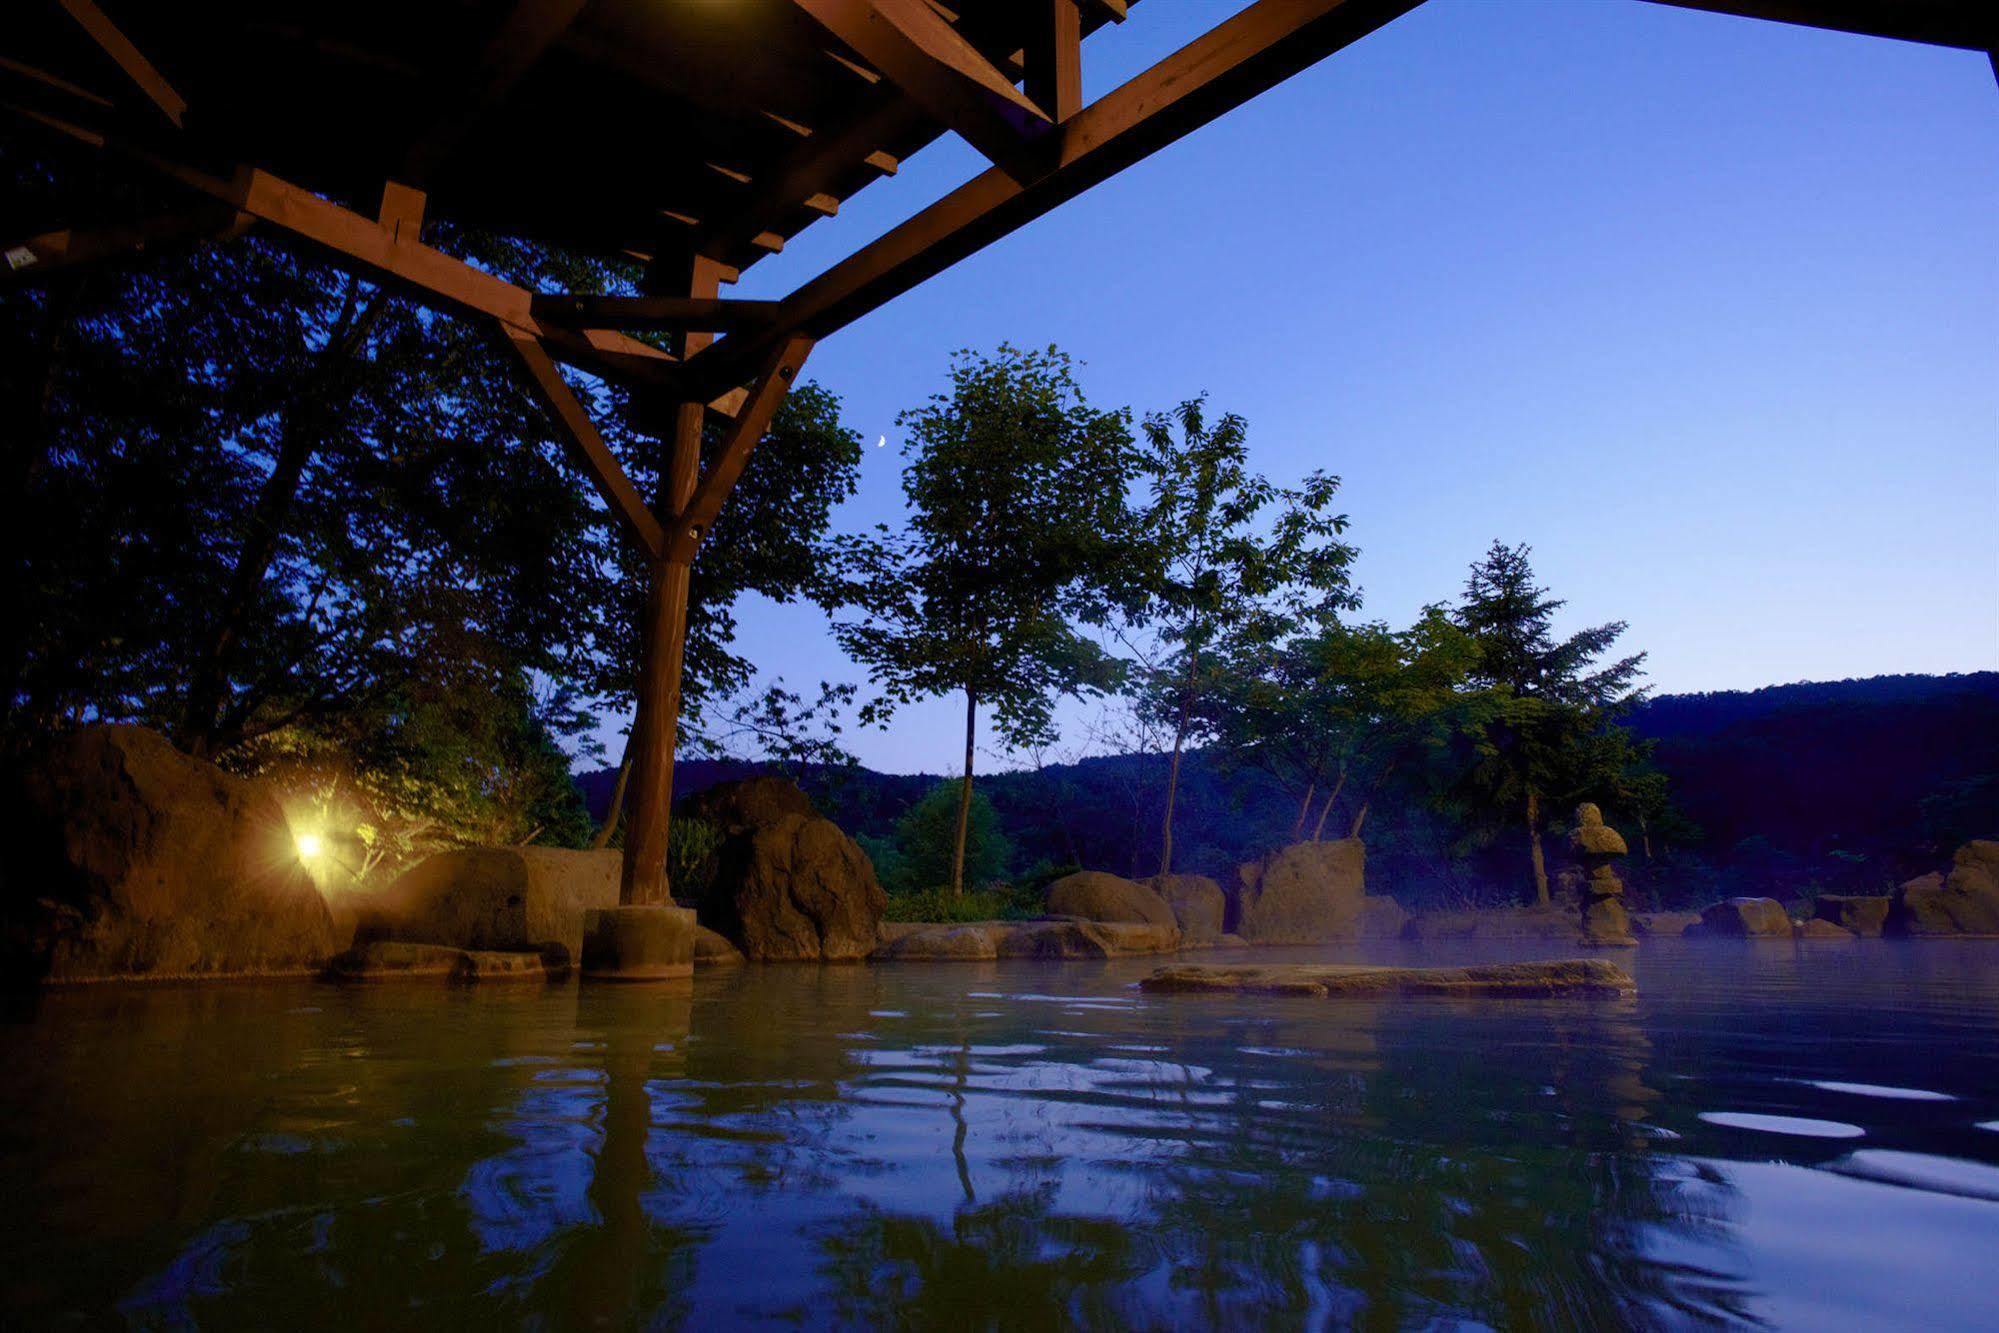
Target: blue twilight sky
1705,309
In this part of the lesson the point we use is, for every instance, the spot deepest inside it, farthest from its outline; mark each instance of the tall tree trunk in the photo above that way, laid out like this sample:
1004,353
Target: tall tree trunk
1304,809
1173,768
964,797
617,810
1367,803
209,680
1325,812
1645,837
201,721
1534,848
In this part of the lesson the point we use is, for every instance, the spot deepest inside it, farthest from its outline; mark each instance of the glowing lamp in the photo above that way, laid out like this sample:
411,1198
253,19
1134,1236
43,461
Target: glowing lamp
308,846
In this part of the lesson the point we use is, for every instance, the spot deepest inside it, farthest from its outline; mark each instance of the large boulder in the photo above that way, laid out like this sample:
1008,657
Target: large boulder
128,858
793,889
502,898
1861,914
1306,893
1197,904
1096,896
1756,918
734,808
1966,903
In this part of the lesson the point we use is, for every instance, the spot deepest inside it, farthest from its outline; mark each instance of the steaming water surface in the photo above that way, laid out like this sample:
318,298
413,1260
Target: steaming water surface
1796,1136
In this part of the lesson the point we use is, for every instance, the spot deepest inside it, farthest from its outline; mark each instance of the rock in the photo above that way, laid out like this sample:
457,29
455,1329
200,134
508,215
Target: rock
1663,924
1231,941
394,960
737,807
1817,928
127,858
1604,922
1747,917
712,949
1382,919
1197,904
1862,915
1581,976
1591,837
980,940
1095,896
1504,923
492,965
1930,883
1966,903
796,889
1306,893
497,898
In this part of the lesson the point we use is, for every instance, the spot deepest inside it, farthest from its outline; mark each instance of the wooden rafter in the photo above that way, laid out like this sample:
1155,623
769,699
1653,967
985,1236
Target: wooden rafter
128,58
586,446
699,513
530,28
1260,46
812,166
930,60
41,257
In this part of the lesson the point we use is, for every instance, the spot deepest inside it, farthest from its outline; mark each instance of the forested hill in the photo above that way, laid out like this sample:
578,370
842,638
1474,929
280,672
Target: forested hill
1846,784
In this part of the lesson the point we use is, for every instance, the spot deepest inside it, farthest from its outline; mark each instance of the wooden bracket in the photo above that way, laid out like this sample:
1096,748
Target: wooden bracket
585,444
670,313
691,524
930,60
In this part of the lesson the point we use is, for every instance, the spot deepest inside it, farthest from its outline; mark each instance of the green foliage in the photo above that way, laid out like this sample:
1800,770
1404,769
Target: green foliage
319,511
923,851
994,902
1018,533
1545,734
1236,564
690,857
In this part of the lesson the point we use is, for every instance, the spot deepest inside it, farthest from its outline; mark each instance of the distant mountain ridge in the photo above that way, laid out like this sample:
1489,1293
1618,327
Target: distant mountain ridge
1852,783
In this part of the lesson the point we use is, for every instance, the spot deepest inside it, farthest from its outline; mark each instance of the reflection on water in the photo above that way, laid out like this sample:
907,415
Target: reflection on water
1014,1144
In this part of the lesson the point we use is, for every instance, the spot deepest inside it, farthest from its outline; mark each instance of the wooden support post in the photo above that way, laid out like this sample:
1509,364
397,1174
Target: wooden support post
656,727
1055,59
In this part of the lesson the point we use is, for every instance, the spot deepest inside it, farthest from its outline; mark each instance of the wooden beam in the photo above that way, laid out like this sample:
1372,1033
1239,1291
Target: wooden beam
930,60
811,166
1970,24
585,445
669,313
128,57
529,29
40,257
1114,10
1257,48
691,524
401,214
1054,57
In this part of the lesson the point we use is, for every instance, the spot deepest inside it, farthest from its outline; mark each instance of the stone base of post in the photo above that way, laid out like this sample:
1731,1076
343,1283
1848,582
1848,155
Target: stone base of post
638,944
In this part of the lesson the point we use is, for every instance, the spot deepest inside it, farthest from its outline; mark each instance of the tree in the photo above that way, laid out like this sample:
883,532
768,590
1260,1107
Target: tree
1224,572
1019,530
930,848
1549,695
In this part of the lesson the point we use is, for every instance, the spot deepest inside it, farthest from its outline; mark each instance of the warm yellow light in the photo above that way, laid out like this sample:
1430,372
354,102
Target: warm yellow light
308,845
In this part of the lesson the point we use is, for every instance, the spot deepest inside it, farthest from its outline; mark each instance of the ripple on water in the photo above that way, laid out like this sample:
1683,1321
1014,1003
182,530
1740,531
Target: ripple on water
1939,1175
1878,1090
1797,1126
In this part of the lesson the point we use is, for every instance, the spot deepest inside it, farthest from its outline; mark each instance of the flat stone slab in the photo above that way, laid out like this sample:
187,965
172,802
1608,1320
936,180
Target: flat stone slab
399,960
1575,976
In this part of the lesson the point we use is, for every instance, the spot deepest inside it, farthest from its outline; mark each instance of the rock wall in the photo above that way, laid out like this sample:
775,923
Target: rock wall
128,858
496,898
789,886
1966,903
1198,905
